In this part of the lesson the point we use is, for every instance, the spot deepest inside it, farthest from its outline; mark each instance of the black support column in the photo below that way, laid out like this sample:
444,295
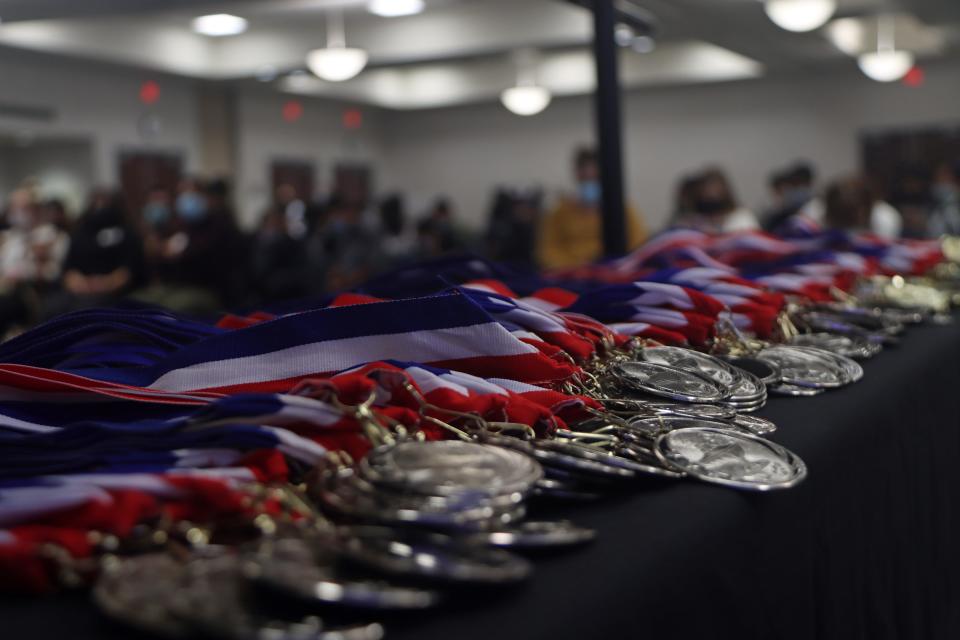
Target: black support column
607,114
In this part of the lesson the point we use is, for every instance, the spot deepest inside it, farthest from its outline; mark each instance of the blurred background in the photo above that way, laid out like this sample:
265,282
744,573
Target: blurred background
203,155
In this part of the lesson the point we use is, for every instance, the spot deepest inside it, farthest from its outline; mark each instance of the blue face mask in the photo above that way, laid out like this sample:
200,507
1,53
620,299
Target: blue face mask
191,206
588,192
156,213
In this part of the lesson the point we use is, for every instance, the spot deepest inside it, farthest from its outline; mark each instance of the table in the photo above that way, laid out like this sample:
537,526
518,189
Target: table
867,547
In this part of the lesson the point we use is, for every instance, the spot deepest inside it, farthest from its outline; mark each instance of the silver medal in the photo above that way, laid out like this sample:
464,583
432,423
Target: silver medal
731,458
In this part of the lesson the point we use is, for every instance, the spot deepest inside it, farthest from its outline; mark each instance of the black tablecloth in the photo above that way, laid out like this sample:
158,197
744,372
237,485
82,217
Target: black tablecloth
867,547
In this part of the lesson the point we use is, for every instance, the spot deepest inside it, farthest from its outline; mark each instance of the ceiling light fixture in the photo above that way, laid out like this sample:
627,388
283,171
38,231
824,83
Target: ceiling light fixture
526,98
219,24
395,8
800,15
886,64
336,62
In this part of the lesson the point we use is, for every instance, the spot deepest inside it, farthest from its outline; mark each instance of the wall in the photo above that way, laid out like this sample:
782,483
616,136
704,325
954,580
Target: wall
61,169
748,127
464,152
99,102
318,137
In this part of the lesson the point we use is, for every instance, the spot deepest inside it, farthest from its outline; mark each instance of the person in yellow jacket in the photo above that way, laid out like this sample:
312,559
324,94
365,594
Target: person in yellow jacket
570,235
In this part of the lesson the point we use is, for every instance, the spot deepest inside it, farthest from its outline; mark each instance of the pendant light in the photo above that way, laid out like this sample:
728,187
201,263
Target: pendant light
526,98
886,64
336,62
800,15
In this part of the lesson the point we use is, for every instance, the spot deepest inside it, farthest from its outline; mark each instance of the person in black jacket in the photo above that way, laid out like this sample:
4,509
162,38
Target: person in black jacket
105,259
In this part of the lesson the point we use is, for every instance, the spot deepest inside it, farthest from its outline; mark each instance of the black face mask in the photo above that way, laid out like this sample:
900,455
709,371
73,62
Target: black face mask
711,206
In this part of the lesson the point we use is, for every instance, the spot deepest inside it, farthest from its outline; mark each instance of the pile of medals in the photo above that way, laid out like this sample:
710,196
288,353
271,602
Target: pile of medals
441,498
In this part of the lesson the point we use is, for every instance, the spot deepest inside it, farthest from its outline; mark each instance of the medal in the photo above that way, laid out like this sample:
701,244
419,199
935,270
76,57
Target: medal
536,535
668,382
428,556
290,567
805,367
730,458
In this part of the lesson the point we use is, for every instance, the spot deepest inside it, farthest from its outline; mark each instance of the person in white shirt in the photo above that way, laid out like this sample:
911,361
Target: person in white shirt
715,208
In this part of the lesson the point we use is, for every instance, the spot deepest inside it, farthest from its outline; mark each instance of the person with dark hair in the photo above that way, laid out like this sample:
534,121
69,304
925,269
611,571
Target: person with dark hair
570,234
715,207
343,252
192,270
396,237
105,259
795,186
436,232
685,197
512,229
848,204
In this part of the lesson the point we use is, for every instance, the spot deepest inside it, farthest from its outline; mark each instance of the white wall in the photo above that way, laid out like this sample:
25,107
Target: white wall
100,103
748,127
317,137
60,169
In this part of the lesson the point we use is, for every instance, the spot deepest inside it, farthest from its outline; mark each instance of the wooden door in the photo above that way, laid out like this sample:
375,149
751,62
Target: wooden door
142,171
299,174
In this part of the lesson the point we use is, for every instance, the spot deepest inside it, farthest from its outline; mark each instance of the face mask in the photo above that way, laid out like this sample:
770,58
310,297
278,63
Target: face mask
711,206
588,193
156,213
191,206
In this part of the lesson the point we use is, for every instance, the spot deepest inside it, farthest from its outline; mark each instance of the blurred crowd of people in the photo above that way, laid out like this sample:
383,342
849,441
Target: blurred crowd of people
182,248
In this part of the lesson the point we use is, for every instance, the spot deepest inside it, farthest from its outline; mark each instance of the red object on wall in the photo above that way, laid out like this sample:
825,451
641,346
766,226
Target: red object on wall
915,77
292,111
352,119
149,92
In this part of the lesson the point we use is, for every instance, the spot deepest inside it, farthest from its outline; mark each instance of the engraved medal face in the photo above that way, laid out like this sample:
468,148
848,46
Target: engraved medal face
669,382
692,361
805,367
450,467
731,458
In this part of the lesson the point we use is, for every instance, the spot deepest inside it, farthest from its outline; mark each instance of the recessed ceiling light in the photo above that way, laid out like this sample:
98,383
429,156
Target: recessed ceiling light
395,8
219,24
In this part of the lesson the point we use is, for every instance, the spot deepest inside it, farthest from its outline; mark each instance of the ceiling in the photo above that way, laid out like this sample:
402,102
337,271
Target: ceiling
456,51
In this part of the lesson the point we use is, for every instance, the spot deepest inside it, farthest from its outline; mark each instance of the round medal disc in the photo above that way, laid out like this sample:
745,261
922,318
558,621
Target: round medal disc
805,367
298,575
533,534
768,372
755,424
433,557
731,458
669,382
707,411
450,466
136,592
691,360
784,389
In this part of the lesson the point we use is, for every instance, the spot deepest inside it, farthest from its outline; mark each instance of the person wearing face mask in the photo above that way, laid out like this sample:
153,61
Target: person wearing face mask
570,235
715,208
945,196
794,195
192,255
